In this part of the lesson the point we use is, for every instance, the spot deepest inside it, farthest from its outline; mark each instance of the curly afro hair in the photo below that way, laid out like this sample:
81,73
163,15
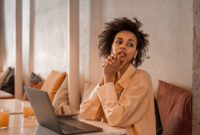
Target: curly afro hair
106,38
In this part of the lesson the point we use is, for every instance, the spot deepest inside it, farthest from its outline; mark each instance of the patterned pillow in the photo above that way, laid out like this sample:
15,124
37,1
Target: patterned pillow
33,84
3,76
9,83
35,78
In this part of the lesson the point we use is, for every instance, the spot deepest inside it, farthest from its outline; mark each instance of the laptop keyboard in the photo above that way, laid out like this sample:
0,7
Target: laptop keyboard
67,128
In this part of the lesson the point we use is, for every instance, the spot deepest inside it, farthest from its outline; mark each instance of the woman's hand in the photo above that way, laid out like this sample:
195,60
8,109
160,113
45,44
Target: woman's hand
111,66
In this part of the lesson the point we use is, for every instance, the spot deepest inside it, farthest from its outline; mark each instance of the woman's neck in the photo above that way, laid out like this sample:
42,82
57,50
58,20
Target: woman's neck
123,70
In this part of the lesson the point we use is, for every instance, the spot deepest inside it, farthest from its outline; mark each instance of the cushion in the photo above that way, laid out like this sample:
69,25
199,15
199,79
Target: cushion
3,75
175,107
33,84
9,83
61,96
88,88
53,83
36,85
35,78
10,68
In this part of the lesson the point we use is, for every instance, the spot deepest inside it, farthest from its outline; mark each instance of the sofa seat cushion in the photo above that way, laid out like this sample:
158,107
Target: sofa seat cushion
175,108
53,83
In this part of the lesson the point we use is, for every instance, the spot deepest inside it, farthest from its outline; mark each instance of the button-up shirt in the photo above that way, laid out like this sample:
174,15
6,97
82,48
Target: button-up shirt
133,110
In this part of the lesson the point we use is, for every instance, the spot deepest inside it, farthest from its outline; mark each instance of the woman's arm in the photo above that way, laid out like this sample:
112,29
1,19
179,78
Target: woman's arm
91,107
132,105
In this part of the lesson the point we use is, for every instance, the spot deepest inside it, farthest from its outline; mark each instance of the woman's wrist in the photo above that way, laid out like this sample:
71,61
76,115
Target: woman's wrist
108,78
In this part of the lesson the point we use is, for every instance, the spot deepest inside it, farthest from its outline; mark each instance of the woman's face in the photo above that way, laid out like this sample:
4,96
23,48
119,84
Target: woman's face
124,45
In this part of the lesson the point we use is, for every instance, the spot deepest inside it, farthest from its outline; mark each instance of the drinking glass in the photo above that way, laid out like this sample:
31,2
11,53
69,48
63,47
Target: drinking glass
28,110
4,118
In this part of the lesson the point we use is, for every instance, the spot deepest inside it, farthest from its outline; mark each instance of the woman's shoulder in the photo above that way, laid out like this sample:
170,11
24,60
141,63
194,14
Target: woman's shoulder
141,74
140,78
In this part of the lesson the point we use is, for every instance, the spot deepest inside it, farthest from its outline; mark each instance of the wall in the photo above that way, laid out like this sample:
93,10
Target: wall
44,45
49,37
196,69
50,42
169,24
45,37
7,34
26,7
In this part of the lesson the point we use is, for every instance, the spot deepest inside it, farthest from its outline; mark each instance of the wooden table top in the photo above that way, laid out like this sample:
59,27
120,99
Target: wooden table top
14,105
4,94
18,125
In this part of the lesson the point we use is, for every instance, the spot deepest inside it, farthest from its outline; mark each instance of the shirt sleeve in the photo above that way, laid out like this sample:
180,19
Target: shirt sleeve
132,105
91,108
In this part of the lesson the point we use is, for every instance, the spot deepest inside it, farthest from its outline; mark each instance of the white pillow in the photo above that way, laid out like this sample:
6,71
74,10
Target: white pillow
61,96
88,88
2,77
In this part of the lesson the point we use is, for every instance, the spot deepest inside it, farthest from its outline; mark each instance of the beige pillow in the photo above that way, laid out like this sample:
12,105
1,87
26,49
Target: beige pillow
88,88
53,83
61,96
2,77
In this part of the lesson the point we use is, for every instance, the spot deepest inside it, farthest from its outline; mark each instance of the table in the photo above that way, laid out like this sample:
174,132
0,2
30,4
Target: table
4,94
18,125
14,105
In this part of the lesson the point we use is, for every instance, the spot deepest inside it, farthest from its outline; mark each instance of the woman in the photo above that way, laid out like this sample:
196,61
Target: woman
124,96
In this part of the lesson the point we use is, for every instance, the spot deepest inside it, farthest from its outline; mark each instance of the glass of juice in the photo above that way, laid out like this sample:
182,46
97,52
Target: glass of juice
4,118
28,110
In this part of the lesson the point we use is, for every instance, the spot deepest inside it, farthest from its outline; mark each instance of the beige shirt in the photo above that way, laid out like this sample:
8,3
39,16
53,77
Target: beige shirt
135,108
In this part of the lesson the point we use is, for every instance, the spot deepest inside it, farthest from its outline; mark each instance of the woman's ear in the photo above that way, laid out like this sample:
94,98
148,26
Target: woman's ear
136,52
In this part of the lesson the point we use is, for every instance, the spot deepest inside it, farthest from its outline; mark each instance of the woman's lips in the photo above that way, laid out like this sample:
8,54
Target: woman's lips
121,54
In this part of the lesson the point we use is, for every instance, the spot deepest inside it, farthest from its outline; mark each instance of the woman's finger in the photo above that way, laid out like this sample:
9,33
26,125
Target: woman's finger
111,58
104,64
108,61
114,55
118,61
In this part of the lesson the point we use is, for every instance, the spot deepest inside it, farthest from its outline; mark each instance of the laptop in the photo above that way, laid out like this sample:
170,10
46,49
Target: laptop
47,117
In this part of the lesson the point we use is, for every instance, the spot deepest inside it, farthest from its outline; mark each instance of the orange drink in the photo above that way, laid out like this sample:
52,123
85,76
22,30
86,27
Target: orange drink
4,118
28,110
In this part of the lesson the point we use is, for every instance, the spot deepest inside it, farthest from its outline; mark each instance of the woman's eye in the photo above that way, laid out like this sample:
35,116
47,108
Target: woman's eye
118,42
130,44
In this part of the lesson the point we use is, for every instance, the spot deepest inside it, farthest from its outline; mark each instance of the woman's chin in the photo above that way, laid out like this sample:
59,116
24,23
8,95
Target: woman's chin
122,61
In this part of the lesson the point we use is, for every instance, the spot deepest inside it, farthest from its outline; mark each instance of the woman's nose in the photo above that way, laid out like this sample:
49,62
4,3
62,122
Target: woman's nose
122,47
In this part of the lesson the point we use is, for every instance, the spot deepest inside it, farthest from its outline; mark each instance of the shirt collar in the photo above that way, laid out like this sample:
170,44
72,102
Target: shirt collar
124,81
